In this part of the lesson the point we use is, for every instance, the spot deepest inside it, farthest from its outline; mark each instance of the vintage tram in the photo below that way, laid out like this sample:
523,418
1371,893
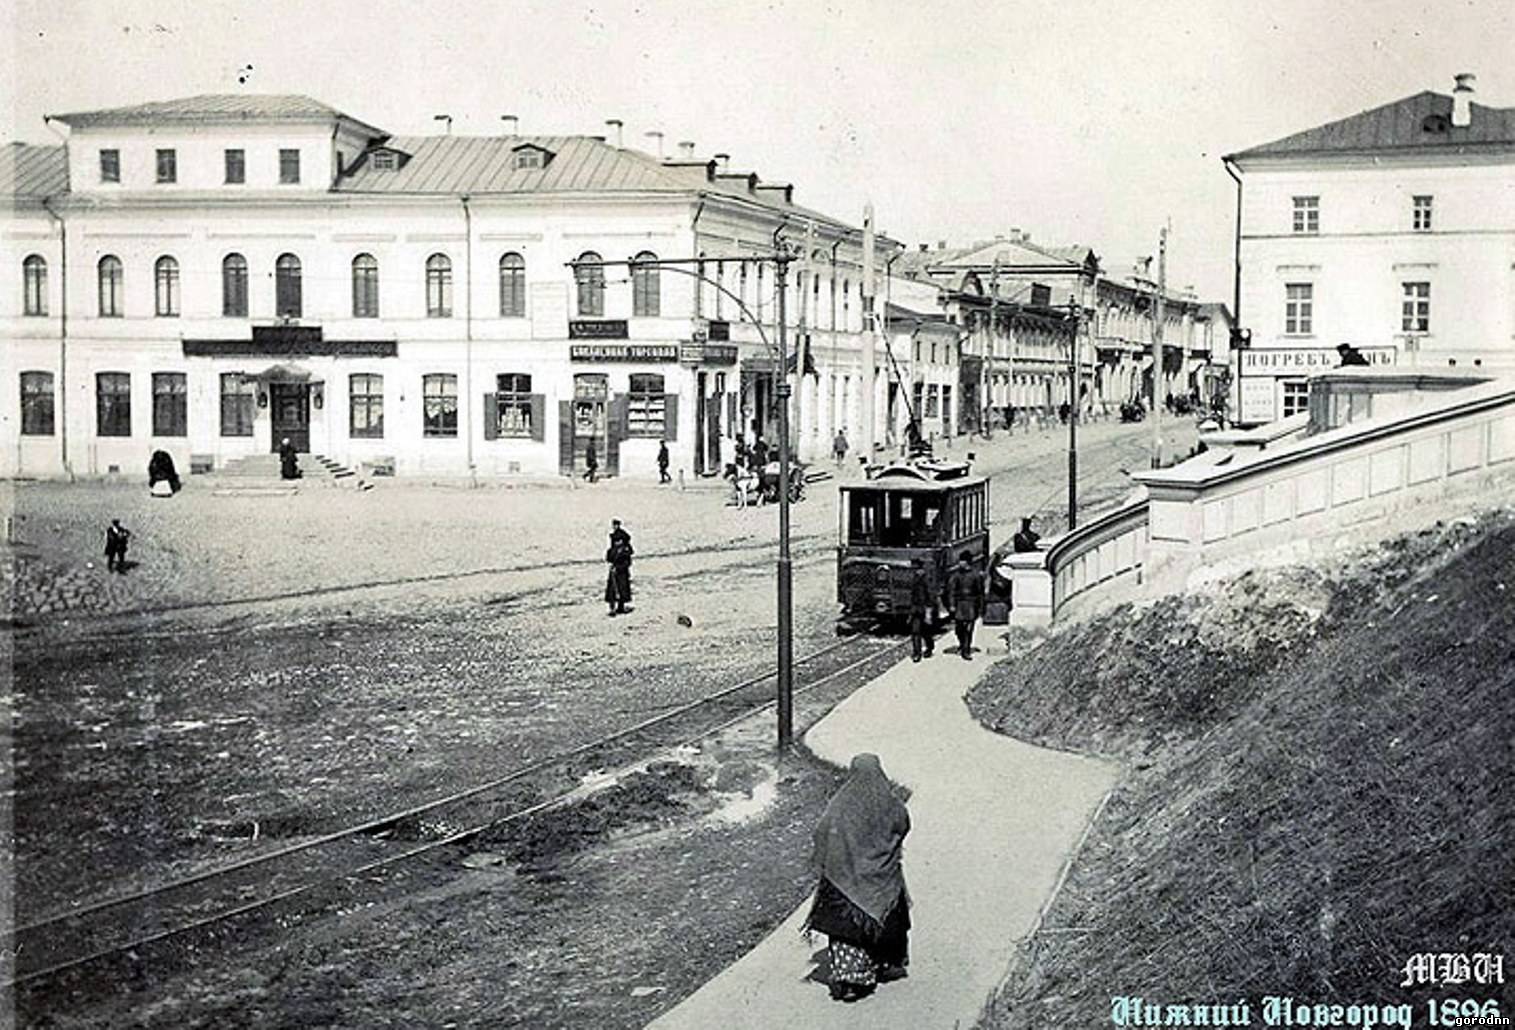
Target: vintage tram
931,511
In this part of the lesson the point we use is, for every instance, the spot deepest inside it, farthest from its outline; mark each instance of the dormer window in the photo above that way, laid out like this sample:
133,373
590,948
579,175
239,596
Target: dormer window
530,157
385,161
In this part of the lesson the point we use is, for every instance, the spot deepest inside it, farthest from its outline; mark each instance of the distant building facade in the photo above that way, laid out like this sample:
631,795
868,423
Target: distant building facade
241,269
1391,231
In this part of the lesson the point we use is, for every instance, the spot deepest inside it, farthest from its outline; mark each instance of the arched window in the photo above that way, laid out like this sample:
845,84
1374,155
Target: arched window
234,286
512,286
110,286
589,275
646,297
439,286
166,285
288,298
34,281
365,286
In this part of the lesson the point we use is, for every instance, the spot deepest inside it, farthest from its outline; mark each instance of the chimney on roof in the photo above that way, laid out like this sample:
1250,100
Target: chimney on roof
1462,100
658,135
686,149
925,247
445,118
721,161
617,125
941,244
512,122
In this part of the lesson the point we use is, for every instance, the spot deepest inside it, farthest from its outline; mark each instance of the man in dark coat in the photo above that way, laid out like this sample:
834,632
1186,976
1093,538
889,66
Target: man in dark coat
116,538
618,581
1024,541
922,605
591,462
965,594
663,476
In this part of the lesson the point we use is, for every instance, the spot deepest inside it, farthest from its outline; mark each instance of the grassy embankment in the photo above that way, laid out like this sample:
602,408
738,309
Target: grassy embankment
1319,786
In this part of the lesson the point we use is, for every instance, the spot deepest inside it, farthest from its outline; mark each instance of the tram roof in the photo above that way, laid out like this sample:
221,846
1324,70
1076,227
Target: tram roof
903,479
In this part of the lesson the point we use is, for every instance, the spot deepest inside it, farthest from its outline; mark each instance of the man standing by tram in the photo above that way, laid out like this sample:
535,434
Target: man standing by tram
922,606
964,595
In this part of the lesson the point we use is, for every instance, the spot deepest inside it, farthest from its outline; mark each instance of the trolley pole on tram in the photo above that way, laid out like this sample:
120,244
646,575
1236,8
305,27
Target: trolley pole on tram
786,581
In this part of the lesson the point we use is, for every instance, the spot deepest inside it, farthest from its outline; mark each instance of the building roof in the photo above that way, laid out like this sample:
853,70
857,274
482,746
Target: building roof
1422,122
211,107
31,171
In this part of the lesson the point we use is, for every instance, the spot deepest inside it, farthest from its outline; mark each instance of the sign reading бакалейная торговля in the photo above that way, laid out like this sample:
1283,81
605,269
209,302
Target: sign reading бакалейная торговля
1461,984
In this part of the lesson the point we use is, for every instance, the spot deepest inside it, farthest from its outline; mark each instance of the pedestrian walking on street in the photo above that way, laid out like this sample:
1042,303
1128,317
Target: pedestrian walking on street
861,903
663,476
591,462
759,455
1026,538
922,606
618,580
839,447
117,537
965,592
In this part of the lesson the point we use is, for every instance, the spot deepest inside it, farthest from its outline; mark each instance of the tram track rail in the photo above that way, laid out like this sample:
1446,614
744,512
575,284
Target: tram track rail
49,947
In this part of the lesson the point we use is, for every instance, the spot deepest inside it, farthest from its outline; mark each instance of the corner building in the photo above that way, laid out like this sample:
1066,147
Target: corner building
208,276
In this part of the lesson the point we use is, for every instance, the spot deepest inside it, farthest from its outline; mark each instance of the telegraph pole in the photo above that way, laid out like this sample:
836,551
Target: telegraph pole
1075,309
1158,390
786,570
986,400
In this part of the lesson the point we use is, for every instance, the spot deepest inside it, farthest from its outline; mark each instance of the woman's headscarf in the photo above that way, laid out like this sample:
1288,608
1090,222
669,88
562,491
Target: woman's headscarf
858,841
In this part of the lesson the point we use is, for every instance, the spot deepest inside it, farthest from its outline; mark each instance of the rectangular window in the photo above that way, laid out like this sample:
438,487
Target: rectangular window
439,393
236,166
110,166
1299,308
1307,215
645,406
289,166
384,160
1421,214
170,404
513,401
1296,396
238,399
1415,312
168,166
366,407
113,404
36,404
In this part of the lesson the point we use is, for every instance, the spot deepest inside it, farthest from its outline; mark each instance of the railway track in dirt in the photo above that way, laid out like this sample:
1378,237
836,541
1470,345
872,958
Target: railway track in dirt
192,911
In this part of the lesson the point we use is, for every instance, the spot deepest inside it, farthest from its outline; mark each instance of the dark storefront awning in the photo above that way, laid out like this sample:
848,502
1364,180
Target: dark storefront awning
283,373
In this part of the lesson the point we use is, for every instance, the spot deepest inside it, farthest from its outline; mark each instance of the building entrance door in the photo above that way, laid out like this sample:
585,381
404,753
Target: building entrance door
591,398
701,423
289,407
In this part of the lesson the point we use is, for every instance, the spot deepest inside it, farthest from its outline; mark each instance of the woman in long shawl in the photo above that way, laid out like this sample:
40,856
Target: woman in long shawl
861,903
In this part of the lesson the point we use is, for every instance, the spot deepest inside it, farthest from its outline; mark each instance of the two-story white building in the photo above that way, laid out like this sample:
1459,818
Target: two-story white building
209,276
1392,231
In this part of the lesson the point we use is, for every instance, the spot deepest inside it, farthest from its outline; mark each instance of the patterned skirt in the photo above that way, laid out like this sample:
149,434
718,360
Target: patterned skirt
860,946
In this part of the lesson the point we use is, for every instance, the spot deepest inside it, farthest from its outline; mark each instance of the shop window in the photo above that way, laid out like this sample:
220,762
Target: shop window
170,404
439,395
513,404
646,406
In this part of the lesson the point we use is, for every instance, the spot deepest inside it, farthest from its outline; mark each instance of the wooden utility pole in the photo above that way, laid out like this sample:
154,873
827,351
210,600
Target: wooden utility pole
1158,391
870,328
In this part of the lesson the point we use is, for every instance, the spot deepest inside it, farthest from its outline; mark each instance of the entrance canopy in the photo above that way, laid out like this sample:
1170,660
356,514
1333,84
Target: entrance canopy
286,373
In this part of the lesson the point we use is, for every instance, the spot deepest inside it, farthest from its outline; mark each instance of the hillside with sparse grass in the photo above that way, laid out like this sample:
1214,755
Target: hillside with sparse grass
1318,787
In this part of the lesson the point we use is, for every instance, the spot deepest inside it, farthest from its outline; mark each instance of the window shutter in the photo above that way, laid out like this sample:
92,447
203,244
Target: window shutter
491,417
538,417
565,438
670,416
615,431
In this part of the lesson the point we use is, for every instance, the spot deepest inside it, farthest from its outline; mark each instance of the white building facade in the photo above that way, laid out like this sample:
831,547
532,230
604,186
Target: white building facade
211,275
1392,231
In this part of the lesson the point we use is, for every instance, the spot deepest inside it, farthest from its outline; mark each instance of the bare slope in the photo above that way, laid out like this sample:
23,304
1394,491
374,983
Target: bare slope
1312,800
